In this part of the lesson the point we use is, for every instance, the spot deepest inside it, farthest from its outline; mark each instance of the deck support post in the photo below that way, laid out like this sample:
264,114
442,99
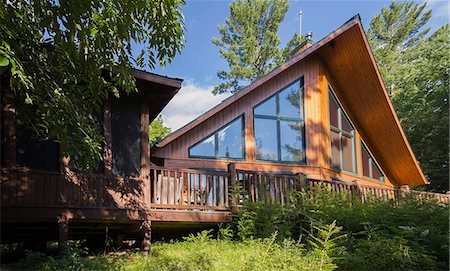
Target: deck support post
234,187
63,224
147,231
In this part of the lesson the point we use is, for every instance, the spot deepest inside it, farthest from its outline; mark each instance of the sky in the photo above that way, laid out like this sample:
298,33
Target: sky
199,61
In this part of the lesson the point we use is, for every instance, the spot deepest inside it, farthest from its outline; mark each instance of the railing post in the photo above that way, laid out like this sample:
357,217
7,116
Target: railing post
300,181
358,190
234,186
401,191
404,189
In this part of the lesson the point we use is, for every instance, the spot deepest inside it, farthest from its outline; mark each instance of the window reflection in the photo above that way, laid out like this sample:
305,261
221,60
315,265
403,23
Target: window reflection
226,142
205,148
370,167
279,126
266,139
342,136
291,137
230,140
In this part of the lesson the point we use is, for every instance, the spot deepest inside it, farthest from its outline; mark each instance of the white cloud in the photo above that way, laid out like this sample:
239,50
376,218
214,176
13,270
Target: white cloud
190,102
440,8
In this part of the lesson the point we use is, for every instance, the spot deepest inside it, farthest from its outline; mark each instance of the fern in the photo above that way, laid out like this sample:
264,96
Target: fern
323,240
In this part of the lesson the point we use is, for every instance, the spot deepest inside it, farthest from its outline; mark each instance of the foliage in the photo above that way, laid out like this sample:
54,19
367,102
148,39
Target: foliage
65,57
421,102
386,235
262,220
394,30
318,231
197,252
291,45
415,69
157,130
325,241
249,41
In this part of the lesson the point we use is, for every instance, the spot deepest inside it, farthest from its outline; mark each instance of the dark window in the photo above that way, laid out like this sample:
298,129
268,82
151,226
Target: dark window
342,136
370,167
125,133
34,153
279,126
227,142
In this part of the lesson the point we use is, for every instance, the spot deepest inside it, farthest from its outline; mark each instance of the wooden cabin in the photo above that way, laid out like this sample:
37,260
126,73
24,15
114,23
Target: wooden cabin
324,114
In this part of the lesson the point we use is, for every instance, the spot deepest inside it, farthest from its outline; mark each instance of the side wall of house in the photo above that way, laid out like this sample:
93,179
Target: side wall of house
326,78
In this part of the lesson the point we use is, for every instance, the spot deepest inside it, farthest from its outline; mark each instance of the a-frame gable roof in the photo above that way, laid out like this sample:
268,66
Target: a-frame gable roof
357,81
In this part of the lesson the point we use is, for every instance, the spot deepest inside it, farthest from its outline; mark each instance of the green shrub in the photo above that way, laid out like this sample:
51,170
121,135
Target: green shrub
387,235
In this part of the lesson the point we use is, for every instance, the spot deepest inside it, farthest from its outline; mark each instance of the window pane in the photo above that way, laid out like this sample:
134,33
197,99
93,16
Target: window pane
365,161
126,136
230,140
290,102
335,150
333,111
347,153
346,126
204,148
291,134
267,108
266,139
376,173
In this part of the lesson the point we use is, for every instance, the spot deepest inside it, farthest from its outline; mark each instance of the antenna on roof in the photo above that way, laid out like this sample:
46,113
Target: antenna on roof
300,14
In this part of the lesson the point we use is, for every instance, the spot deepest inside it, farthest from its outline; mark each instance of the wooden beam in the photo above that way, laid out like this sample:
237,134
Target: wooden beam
145,153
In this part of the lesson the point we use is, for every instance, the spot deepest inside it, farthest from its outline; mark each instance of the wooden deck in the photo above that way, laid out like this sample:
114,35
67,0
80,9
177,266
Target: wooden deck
169,195
34,203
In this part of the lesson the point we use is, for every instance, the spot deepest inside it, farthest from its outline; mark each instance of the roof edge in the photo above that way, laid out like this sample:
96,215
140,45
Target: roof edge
157,78
388,100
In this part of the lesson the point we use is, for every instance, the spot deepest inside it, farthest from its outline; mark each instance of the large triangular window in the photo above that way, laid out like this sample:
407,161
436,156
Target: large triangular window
279,126
342,136
225,143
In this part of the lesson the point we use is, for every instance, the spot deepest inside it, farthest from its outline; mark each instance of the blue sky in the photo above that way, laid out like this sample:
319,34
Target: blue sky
199,61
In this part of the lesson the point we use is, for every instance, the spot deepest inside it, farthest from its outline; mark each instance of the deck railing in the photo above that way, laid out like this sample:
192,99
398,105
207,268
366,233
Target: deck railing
175,189
189,189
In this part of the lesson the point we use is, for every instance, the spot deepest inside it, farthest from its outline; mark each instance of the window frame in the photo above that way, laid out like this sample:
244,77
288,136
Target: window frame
216,142
278,119
341,132
371,159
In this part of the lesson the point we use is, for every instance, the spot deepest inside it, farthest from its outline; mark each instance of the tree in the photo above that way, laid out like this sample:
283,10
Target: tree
65,57
249,41
291,45
157,130
415,69
395,30
421,101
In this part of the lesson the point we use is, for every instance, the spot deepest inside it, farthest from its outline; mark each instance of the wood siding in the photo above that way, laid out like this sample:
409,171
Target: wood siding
314,73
